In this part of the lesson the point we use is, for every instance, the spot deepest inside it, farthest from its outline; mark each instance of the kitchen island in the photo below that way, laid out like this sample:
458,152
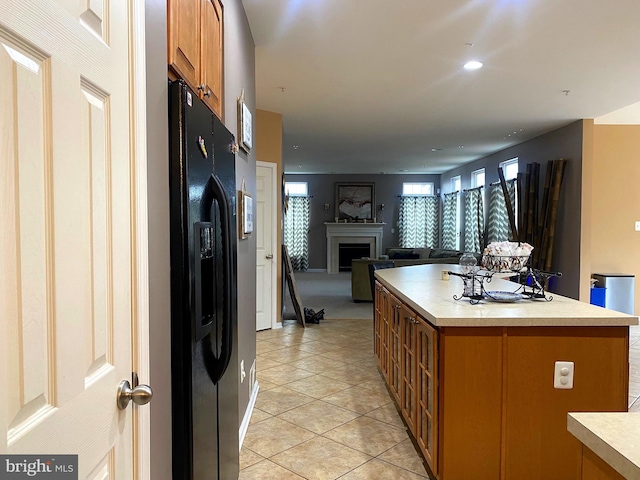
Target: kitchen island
475,383
610,444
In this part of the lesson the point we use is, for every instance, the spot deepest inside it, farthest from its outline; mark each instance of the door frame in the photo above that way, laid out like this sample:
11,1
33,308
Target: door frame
274,238
140,247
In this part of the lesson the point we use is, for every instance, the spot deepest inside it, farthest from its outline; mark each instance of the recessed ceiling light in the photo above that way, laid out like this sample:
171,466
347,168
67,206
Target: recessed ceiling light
473,65
295,147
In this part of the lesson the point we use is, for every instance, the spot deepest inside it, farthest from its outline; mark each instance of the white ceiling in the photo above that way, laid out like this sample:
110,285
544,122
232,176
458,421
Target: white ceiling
370,86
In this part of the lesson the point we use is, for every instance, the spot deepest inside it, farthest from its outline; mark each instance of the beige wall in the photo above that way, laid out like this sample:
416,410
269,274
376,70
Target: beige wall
269,149
612,195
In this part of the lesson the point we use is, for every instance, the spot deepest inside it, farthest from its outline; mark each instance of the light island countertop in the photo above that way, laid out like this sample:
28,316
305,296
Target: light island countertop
421,287
613,436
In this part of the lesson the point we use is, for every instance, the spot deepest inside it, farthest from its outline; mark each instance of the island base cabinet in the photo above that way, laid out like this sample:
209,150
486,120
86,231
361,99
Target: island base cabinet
536,412
470,392
594,468
502,418
480,401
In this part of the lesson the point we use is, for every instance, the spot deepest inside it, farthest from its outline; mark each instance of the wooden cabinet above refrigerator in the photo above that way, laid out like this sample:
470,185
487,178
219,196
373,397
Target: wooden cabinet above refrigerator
195,48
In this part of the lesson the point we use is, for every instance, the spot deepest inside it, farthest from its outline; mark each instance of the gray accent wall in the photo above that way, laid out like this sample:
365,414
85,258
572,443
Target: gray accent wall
388,188
565,142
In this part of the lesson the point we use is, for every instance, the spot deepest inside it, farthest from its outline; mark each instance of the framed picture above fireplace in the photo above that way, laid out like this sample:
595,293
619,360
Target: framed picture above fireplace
355,202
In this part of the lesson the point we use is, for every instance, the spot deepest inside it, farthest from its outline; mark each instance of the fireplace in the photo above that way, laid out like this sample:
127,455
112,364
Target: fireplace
349,251
362,234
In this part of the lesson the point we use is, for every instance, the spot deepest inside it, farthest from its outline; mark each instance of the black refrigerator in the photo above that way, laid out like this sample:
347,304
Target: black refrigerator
204,378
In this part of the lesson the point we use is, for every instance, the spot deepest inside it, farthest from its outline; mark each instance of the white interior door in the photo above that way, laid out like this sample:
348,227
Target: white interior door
68,284
266,254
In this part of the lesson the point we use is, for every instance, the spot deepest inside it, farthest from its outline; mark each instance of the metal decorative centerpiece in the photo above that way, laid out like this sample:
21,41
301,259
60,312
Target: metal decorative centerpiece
474,285
533,282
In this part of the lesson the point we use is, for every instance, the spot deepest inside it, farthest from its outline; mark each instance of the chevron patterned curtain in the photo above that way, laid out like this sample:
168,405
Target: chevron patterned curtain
473,221
419,221
498,223
449,215
296,231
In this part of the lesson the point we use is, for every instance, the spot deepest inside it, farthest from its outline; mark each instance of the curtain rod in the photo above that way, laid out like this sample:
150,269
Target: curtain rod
430,195
498,182
474,188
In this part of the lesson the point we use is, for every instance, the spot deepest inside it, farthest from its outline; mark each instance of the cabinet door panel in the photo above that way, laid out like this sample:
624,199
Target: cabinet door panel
426,406
470,392
184,39
377,322
408,393
211,55
395,348
385,314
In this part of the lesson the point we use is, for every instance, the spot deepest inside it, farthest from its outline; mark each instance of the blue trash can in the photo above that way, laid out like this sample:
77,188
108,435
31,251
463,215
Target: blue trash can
598,296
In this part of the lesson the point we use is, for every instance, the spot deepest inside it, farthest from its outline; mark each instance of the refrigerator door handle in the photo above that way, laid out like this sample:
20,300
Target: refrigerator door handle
217,366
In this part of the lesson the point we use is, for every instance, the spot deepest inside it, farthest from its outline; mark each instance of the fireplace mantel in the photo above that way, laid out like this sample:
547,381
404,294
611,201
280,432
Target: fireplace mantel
365,233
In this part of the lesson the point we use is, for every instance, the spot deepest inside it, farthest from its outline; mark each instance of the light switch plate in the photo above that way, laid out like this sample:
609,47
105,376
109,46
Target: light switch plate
637,226
563,375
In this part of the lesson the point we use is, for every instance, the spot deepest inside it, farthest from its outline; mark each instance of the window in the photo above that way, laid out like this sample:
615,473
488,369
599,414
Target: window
456,184
296,189
510,168
414,188
477,178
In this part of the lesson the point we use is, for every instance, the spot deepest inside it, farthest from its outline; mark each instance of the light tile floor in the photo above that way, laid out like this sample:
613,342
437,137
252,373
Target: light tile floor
323,411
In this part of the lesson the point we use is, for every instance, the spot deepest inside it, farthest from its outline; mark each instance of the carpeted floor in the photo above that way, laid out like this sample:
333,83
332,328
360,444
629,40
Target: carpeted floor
331,292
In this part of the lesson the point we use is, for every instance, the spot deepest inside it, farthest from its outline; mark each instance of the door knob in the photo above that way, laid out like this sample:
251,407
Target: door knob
141,394
269,257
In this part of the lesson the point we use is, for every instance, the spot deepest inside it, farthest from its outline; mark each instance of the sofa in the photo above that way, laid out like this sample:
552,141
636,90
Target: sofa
400,257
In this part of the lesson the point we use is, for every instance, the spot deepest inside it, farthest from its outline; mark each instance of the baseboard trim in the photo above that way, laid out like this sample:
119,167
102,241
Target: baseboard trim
316,270
244,426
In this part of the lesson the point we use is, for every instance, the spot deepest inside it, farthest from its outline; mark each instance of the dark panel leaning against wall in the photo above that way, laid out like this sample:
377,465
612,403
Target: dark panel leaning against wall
322,188
565,142
239,73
